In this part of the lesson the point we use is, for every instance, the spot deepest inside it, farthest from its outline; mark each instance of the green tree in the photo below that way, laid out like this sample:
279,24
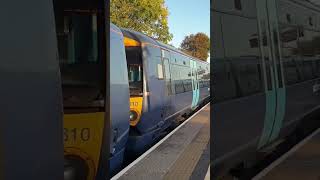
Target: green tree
197,45
147,16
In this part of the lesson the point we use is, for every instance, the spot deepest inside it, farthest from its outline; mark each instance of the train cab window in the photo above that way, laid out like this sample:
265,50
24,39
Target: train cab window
135,66
80,64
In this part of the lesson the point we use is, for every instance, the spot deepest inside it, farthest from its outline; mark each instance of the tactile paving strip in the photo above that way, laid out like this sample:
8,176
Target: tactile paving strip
187,161
161,160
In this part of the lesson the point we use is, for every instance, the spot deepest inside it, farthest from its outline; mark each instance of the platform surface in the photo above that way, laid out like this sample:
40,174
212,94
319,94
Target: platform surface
183,155
303,164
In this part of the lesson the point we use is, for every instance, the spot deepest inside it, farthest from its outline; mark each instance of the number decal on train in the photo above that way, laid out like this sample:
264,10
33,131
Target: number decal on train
75,134
134,103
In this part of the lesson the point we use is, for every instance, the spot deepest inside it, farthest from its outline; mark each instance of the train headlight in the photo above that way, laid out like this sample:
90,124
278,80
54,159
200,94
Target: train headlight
133,115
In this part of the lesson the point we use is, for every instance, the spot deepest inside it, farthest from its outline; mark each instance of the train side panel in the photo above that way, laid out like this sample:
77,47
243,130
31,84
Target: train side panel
268,82
119,94
152,119
299,31
238,86
170,88
182,84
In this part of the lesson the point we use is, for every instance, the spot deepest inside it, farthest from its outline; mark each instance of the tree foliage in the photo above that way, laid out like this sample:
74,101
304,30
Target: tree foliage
147,16
197,45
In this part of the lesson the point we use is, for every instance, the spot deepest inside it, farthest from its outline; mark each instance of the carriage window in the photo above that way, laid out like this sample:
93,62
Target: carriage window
248,76
160,71
308,52
288,18
203,77
310,21
237,4
289,49
81,69
186,78
224,86
243,51
177,78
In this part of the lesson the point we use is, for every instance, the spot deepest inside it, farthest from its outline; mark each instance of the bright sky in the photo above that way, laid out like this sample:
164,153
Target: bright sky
188,17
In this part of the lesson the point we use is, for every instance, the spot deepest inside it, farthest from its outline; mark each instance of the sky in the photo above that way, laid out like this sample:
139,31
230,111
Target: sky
188,17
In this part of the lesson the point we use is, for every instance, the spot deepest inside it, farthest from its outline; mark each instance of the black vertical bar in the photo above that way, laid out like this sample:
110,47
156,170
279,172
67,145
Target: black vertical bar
211,89
103,169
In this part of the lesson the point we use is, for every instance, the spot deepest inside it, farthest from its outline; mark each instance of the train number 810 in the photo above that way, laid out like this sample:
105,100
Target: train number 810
74,134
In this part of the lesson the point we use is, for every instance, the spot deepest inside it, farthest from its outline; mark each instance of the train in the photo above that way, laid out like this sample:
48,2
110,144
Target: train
151,85
265,77
165,84
31,145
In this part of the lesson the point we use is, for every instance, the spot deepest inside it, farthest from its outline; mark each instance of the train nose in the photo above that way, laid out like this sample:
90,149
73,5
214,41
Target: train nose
75,169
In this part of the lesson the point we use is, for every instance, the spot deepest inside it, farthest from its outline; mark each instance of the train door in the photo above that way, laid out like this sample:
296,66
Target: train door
167,103
195,84
272,70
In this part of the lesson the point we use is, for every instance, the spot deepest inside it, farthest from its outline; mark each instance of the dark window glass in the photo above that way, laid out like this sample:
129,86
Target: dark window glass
242,49
248,76
308,50
310,21
237,4
135,70
288,18
181,74
317,67
81,70
203,76
176,79
224,86
167,72
289,51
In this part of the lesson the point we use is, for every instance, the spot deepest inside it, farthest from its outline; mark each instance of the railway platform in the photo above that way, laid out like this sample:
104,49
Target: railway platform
182,154
300,162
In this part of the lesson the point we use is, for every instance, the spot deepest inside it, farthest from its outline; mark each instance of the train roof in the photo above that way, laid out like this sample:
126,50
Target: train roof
115,28
138,36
